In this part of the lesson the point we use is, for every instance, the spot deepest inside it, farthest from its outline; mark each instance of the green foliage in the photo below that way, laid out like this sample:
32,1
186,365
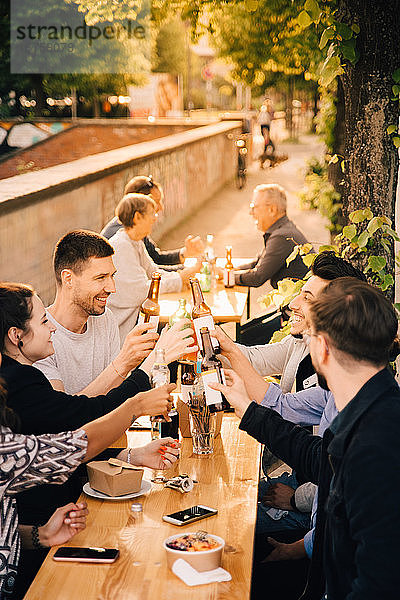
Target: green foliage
318,193
393,130
338,37
326,118
367,235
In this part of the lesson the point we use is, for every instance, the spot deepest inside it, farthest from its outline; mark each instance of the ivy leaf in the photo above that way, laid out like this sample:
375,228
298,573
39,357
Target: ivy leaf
396,141
305,249
312,7
328,248
393,234
349,231
363,239
304,19
327,35
333,159
397,306
343,166
374,225
348,50
330,69
292,255
387,282
368,213
357,216
308,259
396,89
396,76
343,30
355,28
391,129
376,263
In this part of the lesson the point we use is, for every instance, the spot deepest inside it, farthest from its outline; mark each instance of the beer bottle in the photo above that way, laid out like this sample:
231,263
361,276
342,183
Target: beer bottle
159,375
150,310
201,315
179,314
205,276
188,377
229,272
212,372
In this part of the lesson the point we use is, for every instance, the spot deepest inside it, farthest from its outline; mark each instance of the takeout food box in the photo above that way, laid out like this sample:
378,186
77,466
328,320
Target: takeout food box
184,422
113,480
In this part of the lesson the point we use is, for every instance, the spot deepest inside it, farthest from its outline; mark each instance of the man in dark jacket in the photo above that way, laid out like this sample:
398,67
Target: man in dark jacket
268,209
357,463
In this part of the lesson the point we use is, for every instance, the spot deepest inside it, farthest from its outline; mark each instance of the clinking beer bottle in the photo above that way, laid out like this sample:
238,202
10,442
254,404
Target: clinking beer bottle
188,377
178,315
212,372
150,309
229,272
201,315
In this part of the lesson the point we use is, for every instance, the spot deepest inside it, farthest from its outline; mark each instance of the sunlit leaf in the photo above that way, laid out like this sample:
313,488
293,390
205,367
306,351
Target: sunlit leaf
396,141
292,255
358,216
343,30
333,160
391,129
305,248
363,239
349,231
330,69
374,225
309,259
304,19
312,7
376,263
387,282
327,35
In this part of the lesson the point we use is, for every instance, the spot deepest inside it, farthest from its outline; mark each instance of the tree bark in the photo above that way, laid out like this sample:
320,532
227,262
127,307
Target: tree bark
371,159
335,172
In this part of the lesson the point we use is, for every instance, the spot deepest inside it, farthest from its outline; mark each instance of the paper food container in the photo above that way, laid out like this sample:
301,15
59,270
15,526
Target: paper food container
205,560
113,480
184,423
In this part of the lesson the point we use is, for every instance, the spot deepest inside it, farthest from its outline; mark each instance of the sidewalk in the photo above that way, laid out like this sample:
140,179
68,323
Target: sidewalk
227,217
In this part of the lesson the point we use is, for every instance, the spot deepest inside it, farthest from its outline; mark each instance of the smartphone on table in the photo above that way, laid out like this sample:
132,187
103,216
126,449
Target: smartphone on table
189,515
93,555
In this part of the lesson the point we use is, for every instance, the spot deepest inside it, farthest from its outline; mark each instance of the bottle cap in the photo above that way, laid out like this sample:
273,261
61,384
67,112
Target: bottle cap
137,507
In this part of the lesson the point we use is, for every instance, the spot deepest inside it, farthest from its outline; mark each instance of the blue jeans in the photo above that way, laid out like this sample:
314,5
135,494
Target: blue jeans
265,525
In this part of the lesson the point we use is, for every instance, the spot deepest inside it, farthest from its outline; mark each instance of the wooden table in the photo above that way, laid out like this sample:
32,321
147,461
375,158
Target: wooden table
227,480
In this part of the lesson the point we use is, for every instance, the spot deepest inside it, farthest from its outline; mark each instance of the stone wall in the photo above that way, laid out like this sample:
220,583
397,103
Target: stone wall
37,208
83,139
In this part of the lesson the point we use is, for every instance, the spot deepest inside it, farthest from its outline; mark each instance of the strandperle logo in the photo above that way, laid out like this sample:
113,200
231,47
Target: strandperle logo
53,37
49,33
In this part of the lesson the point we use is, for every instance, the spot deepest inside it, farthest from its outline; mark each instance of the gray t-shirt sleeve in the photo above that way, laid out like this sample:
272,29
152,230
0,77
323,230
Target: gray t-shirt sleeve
48,366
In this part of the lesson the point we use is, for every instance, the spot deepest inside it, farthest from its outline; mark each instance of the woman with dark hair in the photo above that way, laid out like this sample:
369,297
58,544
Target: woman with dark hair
25,336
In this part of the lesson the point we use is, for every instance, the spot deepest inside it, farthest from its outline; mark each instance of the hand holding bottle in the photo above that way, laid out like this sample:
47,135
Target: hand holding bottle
189,272
177,340
234,391
157,401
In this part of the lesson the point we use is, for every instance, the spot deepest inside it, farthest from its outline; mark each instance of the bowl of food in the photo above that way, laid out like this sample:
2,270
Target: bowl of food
203,551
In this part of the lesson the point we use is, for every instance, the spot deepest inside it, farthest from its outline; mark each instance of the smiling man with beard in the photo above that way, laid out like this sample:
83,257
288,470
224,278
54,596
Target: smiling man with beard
87,355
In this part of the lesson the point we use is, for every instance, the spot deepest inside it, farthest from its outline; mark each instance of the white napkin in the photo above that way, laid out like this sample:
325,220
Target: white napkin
190,576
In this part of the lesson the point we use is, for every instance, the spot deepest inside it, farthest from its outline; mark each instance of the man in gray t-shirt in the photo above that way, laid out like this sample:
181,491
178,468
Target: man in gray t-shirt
87,356
81,357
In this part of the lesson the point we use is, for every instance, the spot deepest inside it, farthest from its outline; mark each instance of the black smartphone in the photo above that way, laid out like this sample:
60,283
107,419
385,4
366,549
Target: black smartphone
94,555
189,515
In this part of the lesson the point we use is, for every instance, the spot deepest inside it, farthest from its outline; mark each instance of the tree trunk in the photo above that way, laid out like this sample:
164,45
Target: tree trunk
371,160
289,107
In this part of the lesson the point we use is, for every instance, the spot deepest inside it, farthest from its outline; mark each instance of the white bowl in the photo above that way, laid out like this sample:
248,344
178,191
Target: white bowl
204,560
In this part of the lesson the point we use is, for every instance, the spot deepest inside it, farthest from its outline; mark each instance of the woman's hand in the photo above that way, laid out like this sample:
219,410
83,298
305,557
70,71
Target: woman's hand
63,524
159,454
177,340
234,391
157,401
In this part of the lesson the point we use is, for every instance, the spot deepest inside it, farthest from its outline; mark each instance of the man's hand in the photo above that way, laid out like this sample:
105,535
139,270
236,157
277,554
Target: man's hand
137,346
278,495
159,454
228,346
281,551
189,272
155,402
177,340
194,246
63,524
234,392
